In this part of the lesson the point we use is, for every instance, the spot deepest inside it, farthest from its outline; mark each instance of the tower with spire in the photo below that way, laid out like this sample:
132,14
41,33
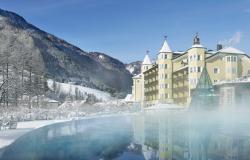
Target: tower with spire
146,64
196,63
165,70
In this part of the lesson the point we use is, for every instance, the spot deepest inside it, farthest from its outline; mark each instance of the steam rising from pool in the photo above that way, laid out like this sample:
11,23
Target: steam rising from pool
153,134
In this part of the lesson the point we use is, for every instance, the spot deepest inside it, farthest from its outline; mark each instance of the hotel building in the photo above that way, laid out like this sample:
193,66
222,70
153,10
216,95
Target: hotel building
173,77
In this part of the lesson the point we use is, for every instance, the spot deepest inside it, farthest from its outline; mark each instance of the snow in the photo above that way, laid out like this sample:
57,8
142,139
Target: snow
146,60
101,57
165,48
9,136
237,80
179,52
138,76
66,88
131,69
197,46
128,98
231,50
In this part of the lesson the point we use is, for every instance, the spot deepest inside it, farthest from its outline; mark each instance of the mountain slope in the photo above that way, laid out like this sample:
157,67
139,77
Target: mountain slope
134,67
59,59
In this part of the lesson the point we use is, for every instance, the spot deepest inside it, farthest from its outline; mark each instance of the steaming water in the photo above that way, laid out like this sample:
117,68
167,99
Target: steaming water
178,135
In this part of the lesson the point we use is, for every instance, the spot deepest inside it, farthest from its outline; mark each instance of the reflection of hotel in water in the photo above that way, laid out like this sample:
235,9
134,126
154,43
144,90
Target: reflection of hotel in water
181,136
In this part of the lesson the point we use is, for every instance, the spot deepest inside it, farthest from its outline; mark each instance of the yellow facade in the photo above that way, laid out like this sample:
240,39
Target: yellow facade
174,75
137,88
151,90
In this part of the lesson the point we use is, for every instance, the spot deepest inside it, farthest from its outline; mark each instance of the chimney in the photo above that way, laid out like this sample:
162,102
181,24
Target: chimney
219,47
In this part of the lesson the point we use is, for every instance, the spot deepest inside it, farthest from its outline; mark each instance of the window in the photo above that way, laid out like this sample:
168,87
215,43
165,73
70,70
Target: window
215,80
166,66
194,57
166,76
216,70
162,66
191,69
162,76
248,72
198,57
234,59
166,56
166,85
199,69
231,58
191,58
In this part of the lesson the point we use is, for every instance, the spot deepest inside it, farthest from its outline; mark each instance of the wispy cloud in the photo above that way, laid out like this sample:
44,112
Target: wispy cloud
235,39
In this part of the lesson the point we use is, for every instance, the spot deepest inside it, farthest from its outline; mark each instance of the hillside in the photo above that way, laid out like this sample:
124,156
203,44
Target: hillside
59,59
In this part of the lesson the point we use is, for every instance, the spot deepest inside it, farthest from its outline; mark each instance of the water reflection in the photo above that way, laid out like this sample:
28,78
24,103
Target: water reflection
91,139
153,135
193,136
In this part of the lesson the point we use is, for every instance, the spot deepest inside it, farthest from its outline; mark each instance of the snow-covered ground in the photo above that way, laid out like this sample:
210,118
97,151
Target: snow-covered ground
66,88
9,136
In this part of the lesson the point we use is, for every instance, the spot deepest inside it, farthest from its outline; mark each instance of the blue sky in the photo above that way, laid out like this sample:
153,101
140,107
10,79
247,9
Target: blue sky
125,29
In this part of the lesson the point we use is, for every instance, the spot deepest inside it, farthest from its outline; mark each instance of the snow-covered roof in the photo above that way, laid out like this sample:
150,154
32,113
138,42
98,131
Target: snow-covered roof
231,50
128,98
138,76
146,60
165,47
197,46
179,52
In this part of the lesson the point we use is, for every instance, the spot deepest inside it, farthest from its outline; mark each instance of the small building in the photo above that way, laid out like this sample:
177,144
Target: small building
234,94
128,99
44,102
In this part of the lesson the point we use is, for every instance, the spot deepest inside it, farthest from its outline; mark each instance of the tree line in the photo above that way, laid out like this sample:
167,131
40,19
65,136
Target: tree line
22,74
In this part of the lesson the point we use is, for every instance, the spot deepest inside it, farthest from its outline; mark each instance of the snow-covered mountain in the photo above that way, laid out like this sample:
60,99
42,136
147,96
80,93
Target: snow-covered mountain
71,89
59,59
134,68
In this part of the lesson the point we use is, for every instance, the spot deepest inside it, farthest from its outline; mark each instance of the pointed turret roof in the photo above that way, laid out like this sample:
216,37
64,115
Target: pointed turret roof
146,60
165,47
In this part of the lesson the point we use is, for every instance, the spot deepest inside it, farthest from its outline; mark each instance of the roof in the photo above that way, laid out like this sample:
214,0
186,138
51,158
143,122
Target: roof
165,47
128,98
231,50
146,60
138,76
227,50
197,46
